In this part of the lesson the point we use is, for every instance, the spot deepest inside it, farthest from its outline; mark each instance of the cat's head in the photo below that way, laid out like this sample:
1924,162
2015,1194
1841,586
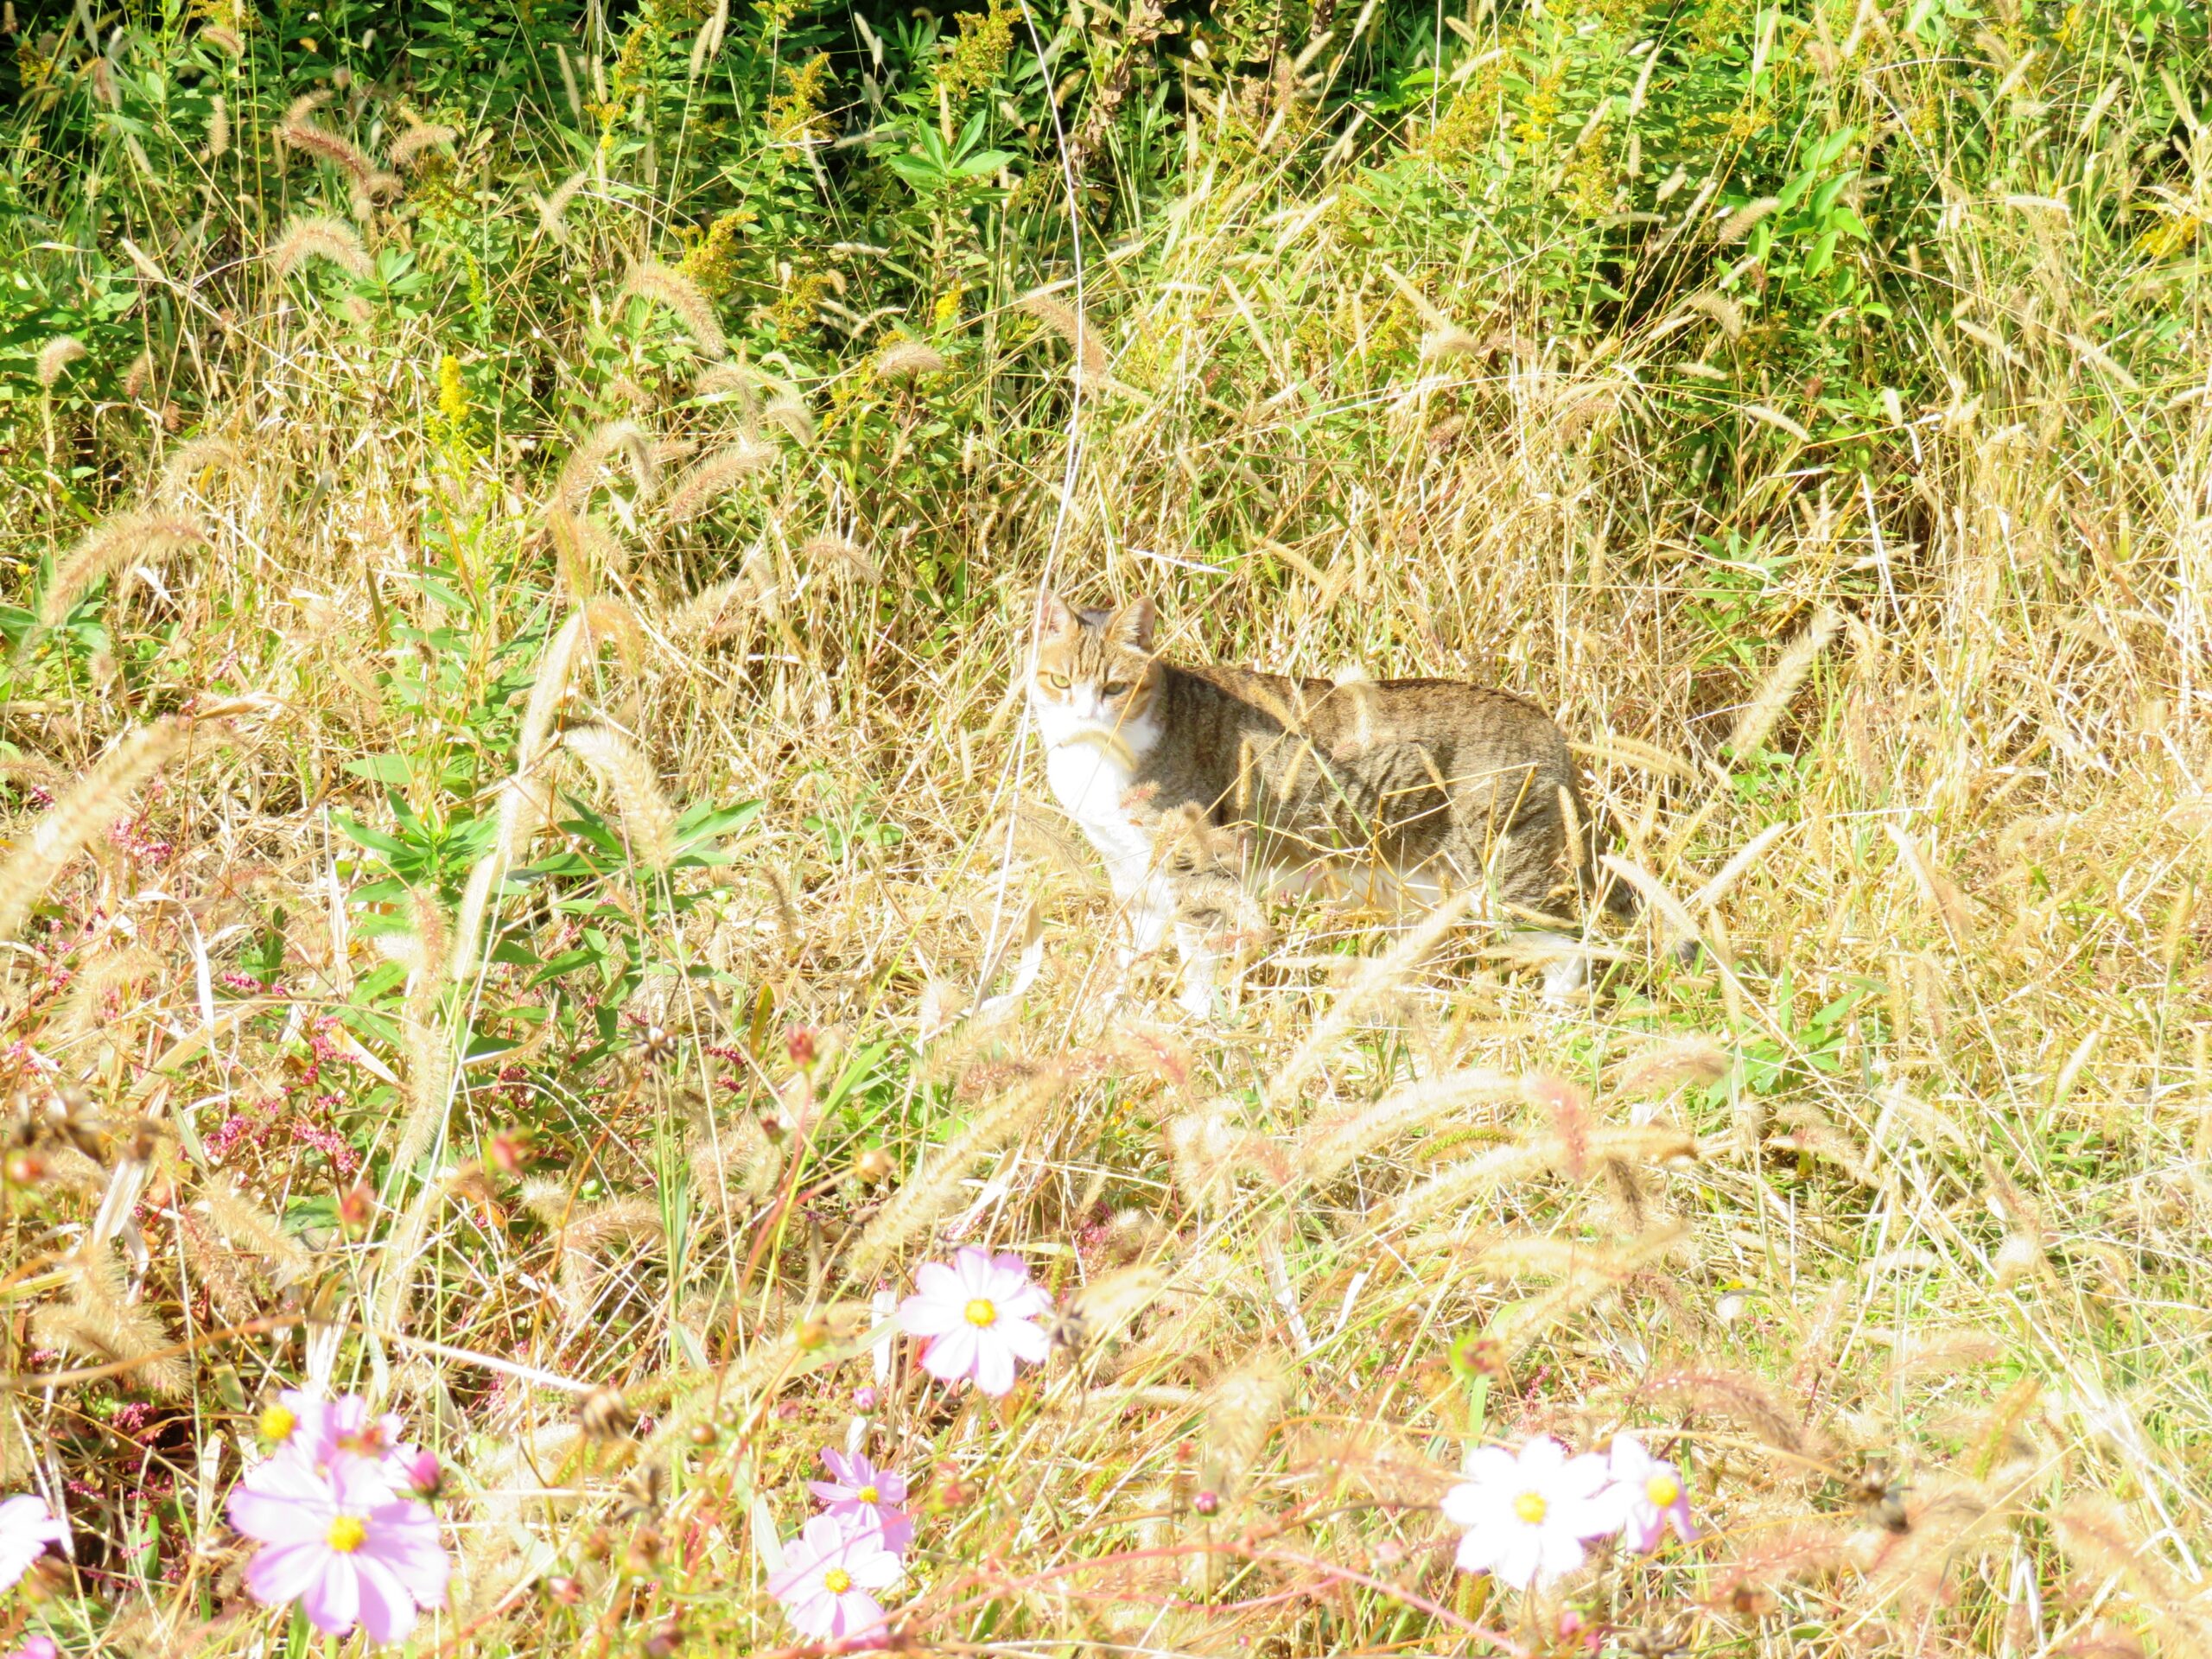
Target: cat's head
1095,670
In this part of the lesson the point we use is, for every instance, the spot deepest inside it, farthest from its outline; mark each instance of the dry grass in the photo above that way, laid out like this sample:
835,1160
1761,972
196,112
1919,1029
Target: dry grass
1937,1083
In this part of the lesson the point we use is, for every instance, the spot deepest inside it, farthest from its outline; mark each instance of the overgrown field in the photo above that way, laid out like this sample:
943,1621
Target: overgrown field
530,898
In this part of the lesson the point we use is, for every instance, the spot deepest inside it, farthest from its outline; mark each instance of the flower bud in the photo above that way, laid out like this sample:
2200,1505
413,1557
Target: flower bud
23,1167
563,1590
356,1207
508,1151
864,1398
1208,1502
799,1043
704,1434
875,1166
812,1333
424,1478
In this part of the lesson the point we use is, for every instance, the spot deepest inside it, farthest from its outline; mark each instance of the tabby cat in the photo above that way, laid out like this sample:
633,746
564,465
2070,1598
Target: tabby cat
1413,788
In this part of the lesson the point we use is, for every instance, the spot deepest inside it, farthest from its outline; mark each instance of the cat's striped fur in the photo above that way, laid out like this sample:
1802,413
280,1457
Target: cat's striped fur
1416,788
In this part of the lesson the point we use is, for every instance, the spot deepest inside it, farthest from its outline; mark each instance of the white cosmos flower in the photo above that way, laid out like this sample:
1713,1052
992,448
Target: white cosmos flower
1527,1516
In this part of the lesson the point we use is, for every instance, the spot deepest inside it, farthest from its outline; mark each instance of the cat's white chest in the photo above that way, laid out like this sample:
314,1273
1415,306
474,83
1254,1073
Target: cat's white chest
1091,782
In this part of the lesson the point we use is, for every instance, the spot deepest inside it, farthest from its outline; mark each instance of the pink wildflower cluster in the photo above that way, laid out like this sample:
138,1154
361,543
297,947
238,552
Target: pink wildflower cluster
337,1509
842,1555
1530,1516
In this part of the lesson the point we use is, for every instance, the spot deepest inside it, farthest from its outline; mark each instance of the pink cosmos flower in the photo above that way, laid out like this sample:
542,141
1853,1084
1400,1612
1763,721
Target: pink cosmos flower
27,1527
37,1647
1527,1516
1649,1496
829,1570
978,1313
302,1425
863,1496
340,1542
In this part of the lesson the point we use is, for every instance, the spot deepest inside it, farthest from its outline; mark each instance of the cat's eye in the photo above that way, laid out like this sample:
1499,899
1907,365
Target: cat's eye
1117,687
1055,681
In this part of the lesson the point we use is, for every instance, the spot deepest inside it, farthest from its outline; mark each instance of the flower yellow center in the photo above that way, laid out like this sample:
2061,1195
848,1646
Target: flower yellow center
1662,1490
982,1311
1530,1507
346,1534
868,1495
836,1580
277,1423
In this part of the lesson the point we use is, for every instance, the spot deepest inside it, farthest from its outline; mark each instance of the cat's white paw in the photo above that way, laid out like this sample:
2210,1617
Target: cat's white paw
1566,980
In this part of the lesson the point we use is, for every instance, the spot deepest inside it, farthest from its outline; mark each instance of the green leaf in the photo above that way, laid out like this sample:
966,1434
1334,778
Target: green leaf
391,769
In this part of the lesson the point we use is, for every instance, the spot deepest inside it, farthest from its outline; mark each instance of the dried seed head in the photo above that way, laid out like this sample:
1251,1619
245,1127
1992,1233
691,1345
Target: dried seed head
56,355
653,281
603,1414
320,237
907,359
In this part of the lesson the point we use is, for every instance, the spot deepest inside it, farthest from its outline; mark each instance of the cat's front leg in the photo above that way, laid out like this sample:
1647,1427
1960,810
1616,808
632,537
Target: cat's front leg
1200,964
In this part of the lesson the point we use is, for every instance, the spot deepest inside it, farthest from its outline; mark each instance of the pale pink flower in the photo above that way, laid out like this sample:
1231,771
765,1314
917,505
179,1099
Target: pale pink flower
979,1314
863,1496
37,1647
342,1543
1527,1516
829,1570
1649,1494
27,1527
302,1425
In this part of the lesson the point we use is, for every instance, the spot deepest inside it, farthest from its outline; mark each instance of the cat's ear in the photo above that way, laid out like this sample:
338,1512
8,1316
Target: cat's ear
1054,616
1133,625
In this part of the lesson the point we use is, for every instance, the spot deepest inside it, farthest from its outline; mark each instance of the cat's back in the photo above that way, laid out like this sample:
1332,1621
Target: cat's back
1221,702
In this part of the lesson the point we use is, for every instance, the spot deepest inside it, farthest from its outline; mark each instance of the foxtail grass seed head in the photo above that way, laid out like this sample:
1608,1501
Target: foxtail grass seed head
653,281
1740,223
908,359
124,541
320,237
790,416
422,139
1072,325
648,821
84,812
55,357
714,476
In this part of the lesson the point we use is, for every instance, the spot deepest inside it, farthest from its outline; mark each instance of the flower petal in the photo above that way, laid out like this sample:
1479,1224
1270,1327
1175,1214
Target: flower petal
952,1356
929,1316
1542,1456
973,1268
937,1281
994,1365
285,1573
272,1520
815,1615
856,1615
387,1611
1517,1558
333,1602
1026,1340
1467,1504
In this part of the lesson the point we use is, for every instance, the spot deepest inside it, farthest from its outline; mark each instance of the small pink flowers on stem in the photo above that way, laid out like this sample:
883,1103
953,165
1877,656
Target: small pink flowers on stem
1528,1517
1650,1495
27,1527
865,1499
979,1314
829,1570
339,1533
